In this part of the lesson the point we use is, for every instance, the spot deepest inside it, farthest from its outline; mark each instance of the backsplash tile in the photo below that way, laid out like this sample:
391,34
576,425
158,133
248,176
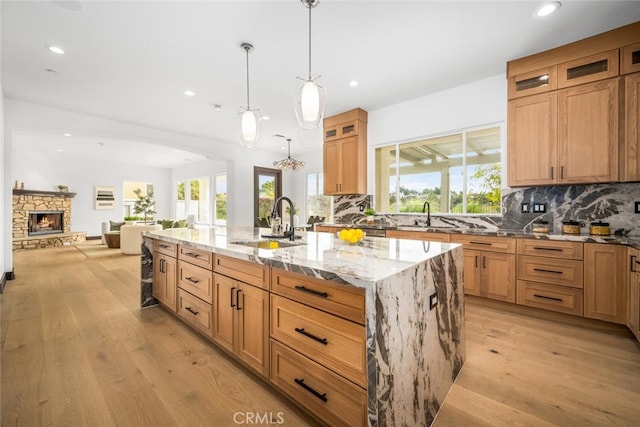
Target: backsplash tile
612,203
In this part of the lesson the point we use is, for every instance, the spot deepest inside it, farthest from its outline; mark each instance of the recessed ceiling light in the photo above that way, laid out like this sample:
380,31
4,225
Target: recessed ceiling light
216,107
548,8
189,93
353,83
59,150
56,49
50,71
266,118
66,134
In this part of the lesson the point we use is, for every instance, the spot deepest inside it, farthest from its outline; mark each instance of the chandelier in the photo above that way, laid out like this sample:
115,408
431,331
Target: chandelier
289,162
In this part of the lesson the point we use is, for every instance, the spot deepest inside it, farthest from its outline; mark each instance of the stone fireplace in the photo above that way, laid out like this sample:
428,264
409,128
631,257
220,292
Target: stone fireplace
42,219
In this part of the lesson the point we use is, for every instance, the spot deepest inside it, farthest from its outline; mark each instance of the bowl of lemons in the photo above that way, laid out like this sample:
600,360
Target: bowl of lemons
351,235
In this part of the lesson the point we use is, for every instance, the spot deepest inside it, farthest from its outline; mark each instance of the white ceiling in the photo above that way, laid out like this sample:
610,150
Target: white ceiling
132,60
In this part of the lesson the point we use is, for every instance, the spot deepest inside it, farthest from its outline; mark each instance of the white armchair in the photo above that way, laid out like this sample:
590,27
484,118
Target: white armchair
131,237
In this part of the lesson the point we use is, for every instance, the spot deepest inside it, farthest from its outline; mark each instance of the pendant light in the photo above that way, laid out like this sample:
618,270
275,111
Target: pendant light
310,96
248,120
289,163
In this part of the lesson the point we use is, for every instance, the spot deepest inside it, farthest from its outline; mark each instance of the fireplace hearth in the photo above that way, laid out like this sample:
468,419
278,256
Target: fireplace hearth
45,222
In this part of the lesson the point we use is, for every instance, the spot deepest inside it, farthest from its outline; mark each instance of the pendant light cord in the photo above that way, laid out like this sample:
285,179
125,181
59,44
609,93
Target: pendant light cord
309,6
247,51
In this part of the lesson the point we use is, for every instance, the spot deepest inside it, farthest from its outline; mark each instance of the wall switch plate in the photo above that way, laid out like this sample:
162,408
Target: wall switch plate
539,207
361,207
637,207
525,208
433,301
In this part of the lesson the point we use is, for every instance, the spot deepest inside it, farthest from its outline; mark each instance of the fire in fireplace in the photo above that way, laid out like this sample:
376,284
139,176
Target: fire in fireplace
45,222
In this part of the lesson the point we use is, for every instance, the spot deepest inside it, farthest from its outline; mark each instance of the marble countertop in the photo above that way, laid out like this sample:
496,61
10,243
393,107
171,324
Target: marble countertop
319,254
633,241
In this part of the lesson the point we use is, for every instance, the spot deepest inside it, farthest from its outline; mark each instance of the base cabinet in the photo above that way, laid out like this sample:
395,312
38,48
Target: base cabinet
241,320
165,280
605,290
633,306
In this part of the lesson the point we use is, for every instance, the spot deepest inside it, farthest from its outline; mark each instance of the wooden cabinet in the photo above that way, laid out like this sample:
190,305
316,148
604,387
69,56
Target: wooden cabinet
345,153
241,321
605,282
630,59
633,306
550,275
568,136
589,69
533,82
631,155
195,288
489,266
419,235
195,312
165,280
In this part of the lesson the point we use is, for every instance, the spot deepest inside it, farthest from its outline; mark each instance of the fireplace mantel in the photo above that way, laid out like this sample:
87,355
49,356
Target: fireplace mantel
44,193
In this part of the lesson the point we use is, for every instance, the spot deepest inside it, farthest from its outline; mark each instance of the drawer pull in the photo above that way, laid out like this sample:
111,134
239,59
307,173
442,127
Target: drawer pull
192,255
238,300
540,248
301,383
542,270
312,292
231,295
313,337
192,311
546,297
480,243
165,246
191,279
162,261
632,263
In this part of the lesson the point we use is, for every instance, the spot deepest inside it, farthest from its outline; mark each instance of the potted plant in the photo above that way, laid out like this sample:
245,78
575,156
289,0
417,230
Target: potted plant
370,215
144,205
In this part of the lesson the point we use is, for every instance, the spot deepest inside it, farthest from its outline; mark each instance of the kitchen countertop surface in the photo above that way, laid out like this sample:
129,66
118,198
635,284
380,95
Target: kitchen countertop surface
633,241
369,261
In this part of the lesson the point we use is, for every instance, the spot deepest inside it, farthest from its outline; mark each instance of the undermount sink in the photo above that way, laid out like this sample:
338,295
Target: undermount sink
268,244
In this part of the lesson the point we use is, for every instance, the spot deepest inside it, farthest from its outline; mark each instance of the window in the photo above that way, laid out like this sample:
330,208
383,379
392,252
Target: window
130,198
192,198
220,191
317,203
455,173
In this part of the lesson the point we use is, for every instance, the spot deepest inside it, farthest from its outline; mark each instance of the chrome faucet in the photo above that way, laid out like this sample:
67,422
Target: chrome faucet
291,232
428,206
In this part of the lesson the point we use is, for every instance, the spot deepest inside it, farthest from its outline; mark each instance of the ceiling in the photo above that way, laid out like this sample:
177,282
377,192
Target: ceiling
132,60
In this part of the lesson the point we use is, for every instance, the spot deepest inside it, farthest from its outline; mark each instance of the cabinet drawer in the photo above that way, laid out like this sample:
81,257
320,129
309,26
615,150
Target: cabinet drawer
419,235
166,248
245,271
195,312
486,243
550,297
552,271
196,256
196,280
533,82
590,69
551,249
342,300
335,343
630,59
329,397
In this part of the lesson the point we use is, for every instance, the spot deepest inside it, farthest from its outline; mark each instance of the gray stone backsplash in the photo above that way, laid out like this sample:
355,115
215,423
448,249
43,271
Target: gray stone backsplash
611,203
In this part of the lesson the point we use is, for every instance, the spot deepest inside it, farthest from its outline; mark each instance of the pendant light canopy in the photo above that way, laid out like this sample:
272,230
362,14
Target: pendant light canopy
288,163
249,120
310,96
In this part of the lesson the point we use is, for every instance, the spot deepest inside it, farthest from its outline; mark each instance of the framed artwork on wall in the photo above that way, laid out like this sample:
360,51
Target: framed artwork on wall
105,198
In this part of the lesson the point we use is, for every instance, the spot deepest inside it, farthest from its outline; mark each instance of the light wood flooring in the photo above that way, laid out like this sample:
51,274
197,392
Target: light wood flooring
77,350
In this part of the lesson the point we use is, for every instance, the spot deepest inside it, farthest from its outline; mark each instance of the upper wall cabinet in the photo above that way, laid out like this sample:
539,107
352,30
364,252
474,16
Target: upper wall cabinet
345,153
566,112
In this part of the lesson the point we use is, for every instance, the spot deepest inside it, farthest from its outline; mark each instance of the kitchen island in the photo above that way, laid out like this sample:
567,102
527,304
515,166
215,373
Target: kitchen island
413,307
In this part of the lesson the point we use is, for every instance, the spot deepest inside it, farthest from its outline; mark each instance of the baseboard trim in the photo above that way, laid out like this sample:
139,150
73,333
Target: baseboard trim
93,237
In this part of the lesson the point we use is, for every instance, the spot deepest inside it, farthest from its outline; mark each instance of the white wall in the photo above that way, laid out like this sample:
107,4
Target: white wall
41,173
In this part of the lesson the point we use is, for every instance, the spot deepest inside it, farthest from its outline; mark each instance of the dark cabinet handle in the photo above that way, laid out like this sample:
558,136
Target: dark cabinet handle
551,172
231,295
192,280
162,265
238,300
632,263
312,292
561,172
484,262
192,255
481,243
165,246
540,248
313,337
476,261
190,310
542,270
546,297
301,383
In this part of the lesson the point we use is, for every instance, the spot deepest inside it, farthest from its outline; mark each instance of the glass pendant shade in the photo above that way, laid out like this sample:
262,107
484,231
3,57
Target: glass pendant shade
310,98
249,125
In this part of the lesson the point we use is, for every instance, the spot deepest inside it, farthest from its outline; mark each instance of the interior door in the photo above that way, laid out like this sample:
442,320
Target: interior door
267,187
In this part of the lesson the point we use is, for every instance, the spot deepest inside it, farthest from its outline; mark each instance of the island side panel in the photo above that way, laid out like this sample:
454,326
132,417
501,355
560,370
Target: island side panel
146,273
418,351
